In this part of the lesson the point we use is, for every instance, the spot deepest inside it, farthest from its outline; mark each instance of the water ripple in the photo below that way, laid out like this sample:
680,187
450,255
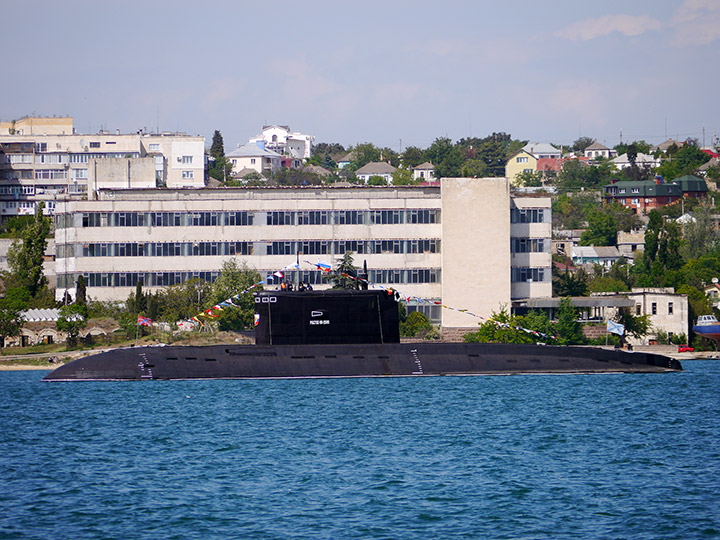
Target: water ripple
611,456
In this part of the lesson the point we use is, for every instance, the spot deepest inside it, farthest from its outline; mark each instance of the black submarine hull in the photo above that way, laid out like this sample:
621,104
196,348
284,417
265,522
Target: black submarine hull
353,360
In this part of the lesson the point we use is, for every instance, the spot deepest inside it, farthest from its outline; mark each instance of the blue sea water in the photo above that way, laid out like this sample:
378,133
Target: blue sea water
521,457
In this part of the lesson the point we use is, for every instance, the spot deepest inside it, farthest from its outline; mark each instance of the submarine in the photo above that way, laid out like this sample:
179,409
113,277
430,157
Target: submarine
345,333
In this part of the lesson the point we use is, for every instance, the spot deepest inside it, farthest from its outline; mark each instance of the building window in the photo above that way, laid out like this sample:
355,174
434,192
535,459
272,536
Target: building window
635,190
188,174
654,308
154,147
638,309
252,161
94,145
670,308
522,160
187,160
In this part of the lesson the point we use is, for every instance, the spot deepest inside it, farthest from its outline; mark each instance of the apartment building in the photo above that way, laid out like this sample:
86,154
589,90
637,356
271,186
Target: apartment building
44,159
466,244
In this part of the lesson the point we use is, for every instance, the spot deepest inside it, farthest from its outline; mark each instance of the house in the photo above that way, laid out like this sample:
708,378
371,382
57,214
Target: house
376,168
641,160
252,156
564,240
712,292
346,160
542,150
631,243
692,187
714,163
667,311
520,162
597,150
605,256
663,146
281,140
424,172
642,196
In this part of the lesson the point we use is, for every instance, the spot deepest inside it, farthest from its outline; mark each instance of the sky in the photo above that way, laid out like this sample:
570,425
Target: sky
392,73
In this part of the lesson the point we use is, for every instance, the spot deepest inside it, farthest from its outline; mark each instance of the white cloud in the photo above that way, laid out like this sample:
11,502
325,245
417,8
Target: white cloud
628,25
697,22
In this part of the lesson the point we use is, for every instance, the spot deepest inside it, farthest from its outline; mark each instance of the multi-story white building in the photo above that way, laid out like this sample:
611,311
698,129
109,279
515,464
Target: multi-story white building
281,140
467,244
44,159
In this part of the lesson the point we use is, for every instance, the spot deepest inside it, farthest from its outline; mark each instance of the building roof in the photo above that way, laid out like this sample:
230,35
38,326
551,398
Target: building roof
550,164
376,167
596,252
691,183
663,146
580,301
641,159
316,169
597,146
645,188
347,158
252,150
714,162
536,148
427,166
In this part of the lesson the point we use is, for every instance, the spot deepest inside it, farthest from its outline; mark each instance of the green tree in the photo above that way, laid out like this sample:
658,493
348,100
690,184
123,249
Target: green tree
364,153
15,300
235,278
637,326
412,157
377,181
81,291
344,266
571,210
217,149
71,321
568,328
415,325
700,236
184,301
220,166
529,179
476,168
570,284
582,143
26,257
685,161
499,328
602,230
402,177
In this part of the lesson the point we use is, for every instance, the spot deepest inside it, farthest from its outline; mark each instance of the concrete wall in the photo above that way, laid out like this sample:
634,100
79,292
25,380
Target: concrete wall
121,173
476,248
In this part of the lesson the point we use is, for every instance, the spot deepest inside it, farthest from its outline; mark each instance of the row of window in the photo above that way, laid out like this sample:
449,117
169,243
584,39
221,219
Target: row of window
192,249
166,279
519,275
211,219
353,217
529,215
529,245
339,247
17,190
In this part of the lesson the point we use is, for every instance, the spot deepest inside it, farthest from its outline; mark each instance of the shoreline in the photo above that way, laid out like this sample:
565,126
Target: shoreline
27,367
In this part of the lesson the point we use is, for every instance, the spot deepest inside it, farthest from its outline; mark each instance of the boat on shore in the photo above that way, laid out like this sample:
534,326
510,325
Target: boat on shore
708,326
348,333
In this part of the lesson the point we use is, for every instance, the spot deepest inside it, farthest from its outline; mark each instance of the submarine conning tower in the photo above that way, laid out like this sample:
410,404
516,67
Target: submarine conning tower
326,317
